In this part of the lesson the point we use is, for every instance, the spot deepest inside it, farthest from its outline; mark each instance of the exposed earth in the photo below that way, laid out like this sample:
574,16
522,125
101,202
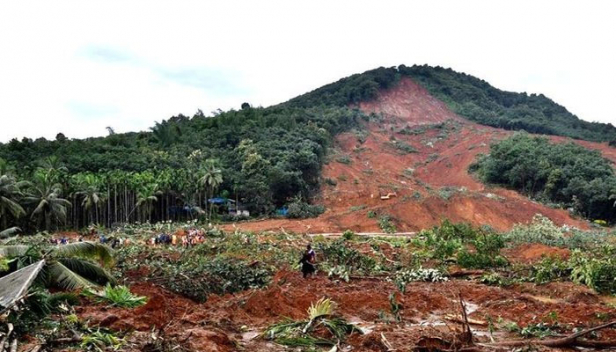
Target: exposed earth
428,310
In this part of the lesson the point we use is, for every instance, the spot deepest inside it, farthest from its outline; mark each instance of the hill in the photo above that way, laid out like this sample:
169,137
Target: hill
420,150
407,134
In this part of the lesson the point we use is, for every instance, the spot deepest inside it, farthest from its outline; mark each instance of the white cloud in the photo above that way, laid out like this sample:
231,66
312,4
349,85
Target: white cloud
76,67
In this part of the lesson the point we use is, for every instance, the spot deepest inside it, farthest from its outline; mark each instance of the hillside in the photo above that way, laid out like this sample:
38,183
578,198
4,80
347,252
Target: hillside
430,178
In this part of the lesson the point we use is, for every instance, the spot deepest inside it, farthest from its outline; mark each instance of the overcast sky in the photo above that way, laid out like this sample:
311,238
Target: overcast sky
79,66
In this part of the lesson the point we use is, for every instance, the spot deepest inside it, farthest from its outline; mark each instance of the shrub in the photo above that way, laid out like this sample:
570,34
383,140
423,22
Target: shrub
402,147
403,277
198,276
371,214
540,230
549,269
486,255
344,159
118,296
302,210
330,181
338,254
386,224
596,273
348,235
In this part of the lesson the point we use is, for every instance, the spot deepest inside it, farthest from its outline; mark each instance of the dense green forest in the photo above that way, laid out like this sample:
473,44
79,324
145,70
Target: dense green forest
563,173
264,158
467,96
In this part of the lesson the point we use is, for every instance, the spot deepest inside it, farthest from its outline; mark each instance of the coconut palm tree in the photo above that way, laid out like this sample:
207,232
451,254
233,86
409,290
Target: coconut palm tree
69,267
10,195
54,167
147,195
6,168
45,195
92,197
211,179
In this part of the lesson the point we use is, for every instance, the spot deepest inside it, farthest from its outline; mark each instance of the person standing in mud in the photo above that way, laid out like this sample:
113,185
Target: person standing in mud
308,261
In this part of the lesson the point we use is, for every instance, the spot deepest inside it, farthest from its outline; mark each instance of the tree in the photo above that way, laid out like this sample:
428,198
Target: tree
211,178
69,267
146,197
45,195
165,133
10,195
90,192
60,137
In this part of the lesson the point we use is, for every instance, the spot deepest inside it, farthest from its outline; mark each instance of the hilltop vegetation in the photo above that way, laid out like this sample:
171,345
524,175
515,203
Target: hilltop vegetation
468,96
264,157
563,173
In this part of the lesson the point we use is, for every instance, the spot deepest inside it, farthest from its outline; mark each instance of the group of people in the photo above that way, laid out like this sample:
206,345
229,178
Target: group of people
193,237
63,240
113,241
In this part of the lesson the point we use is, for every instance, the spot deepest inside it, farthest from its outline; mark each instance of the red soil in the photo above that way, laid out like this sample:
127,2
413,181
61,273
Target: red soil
421,180
219,324
534,252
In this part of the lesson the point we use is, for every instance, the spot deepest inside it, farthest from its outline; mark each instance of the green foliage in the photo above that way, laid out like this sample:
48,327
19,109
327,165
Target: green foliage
68,267
495,279
301,210
100,341
265,156
486,254
549,269
344,260
344,159
27,316
402,148
472,248
197,276
395,306
349,90
598,273
348,235
386,224
117,296
563,173
308,333
371,214
63,298
539,330
404,277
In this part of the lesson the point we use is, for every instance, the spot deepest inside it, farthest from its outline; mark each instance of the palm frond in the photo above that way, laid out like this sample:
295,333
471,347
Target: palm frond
14,251
62,277
118,296
39,208
88,270
13,207
12,231
88,250
322,307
